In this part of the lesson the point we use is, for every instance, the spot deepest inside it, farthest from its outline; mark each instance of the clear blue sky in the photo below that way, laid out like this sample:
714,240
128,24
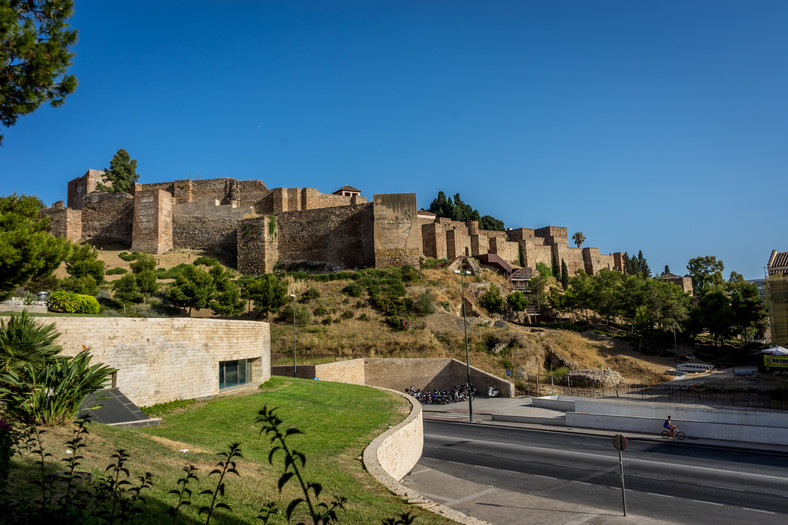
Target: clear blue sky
654,126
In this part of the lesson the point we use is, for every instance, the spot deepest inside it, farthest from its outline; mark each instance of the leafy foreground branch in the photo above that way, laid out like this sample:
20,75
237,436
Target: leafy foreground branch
71,496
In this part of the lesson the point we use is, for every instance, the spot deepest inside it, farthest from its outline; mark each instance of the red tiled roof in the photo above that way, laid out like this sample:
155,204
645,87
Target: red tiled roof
346,188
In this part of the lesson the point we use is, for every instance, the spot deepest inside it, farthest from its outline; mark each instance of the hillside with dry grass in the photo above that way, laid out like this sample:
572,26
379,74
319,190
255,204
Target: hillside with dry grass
340,327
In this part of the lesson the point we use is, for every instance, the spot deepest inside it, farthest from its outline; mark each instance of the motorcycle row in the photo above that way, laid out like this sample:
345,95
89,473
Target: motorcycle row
442,397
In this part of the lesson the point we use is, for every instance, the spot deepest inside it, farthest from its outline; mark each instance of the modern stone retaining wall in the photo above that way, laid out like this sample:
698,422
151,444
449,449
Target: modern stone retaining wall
394,453
161,360
736,424
399,374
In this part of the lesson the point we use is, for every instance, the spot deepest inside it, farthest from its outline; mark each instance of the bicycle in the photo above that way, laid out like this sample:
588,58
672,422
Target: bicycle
678,434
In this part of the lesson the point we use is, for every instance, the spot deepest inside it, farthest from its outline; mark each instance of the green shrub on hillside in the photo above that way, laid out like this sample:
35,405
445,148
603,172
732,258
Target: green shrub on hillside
171,273
73,303
353,289
308,295
205,261
128,257
117,271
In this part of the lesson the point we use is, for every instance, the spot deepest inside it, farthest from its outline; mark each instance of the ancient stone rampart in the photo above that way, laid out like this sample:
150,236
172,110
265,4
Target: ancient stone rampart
298,228
82,186
64,222
107,218
397,234
152,227
208,233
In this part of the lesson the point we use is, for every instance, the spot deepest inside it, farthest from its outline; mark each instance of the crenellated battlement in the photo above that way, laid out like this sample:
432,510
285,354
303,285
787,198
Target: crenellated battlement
297,228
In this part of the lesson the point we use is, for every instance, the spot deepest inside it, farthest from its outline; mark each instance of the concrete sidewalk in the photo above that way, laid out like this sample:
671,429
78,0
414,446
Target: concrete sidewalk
518,411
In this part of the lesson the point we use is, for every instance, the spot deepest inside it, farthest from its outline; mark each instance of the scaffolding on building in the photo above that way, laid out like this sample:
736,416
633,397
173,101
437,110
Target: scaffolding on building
777,301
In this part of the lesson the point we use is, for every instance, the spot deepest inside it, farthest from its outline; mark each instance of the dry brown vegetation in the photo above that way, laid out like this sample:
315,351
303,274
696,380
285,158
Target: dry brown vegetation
357,329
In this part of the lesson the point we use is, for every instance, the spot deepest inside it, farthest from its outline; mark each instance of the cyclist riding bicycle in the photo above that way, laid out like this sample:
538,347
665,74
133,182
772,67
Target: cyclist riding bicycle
670,426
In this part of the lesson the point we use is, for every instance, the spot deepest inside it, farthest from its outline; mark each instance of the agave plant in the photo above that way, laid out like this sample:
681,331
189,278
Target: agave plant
51,394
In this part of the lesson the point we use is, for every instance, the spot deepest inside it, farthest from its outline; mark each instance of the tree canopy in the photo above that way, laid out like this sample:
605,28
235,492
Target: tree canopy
705,271
457,210
122,172
35,54
27,249
578,238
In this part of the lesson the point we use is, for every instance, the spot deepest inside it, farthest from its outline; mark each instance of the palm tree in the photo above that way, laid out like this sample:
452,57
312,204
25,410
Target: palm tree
579,238
23,340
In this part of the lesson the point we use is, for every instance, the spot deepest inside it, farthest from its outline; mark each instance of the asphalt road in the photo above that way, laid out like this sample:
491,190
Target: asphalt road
510,475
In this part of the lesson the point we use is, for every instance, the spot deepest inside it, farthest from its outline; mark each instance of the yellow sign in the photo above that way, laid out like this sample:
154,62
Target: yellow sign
775,361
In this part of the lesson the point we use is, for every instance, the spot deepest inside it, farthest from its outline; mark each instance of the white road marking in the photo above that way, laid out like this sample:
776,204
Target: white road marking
466,498
756,510
708,502
660,495
545,477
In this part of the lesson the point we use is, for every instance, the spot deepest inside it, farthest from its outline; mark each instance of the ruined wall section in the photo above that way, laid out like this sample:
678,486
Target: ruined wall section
594,261
326,238
312,199
506,250
64,222
572,256
396,230
152,227
433,240
80,187
553,235
252,192
107,218
258,247
205,232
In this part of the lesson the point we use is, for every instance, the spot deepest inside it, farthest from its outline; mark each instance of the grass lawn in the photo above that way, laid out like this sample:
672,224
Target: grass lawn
337,422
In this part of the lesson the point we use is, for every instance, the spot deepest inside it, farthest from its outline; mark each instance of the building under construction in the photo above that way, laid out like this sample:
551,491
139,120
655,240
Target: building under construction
777,296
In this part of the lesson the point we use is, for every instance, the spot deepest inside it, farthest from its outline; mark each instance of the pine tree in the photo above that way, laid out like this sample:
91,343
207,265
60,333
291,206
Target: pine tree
35,54
27,250
122,173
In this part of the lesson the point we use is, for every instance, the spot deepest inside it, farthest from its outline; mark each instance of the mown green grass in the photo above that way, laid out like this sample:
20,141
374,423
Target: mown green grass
337,421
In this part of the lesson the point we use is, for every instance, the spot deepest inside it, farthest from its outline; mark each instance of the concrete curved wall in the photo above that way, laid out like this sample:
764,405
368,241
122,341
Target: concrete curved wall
395,452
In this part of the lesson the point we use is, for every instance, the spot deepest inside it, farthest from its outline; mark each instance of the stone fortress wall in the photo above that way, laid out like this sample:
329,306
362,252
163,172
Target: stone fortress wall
297,228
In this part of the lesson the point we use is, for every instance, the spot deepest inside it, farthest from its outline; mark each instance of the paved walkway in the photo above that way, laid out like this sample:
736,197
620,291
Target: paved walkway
532,509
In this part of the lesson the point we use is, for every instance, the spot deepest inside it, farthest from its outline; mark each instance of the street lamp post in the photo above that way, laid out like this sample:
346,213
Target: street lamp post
467,356
292,296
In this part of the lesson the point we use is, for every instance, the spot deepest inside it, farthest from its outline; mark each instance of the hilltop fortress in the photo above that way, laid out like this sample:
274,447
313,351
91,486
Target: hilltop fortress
297,228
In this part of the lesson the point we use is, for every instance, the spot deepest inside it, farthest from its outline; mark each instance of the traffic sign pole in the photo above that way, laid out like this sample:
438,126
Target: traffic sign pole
620,442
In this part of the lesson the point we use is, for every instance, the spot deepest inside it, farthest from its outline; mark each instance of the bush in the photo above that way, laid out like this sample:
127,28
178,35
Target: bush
492,300
310,294
424,304
205,261
347,314
302,314
410,274
117,271
319,311
397,323
327,320
172,273
353,290
544,270
73,303
128,257
85,284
